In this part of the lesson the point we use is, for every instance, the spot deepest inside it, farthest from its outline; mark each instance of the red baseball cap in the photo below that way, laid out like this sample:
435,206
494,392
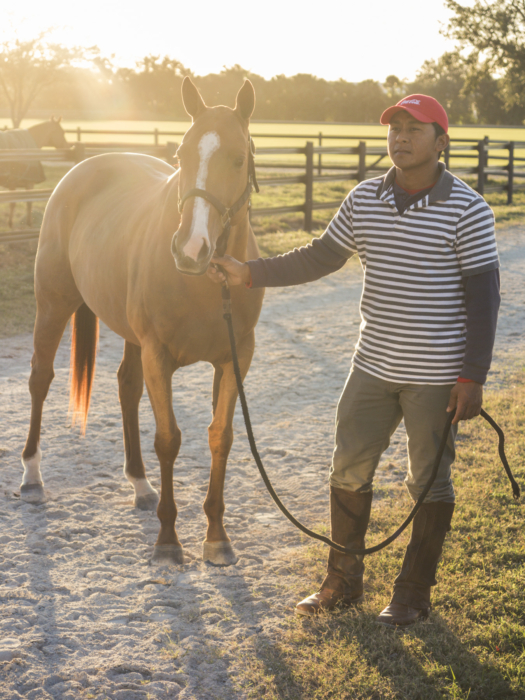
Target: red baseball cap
422,107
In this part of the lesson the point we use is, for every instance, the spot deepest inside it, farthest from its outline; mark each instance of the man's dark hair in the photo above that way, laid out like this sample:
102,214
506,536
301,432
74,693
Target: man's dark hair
439,130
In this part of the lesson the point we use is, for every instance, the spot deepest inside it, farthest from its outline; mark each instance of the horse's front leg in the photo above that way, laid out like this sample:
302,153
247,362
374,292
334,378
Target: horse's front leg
158,369
217,548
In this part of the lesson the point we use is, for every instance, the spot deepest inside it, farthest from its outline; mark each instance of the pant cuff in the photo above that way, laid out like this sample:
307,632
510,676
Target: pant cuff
417,597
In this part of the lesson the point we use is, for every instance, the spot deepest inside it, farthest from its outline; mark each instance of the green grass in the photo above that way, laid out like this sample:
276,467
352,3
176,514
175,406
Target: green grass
474,643
297,135
295,129
17,301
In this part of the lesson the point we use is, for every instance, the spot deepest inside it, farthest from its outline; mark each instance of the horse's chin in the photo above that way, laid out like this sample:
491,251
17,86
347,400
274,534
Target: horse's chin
190,267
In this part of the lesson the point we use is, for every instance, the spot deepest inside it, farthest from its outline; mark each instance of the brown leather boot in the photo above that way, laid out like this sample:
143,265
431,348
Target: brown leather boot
343,584
411,599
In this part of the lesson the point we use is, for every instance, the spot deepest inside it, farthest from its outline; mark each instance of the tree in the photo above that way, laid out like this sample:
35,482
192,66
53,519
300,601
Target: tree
27,67
445,79
395,88
155,85
494,32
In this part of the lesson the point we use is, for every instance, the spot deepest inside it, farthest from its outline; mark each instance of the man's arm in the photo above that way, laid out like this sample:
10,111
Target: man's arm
301,265
317,259
482,300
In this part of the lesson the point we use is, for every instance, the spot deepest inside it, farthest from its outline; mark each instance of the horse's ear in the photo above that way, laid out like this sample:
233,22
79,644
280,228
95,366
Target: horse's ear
245,102
191,99
58,119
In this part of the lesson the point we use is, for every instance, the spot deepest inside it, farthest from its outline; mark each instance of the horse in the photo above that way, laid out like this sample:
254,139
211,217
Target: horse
19,174
127,238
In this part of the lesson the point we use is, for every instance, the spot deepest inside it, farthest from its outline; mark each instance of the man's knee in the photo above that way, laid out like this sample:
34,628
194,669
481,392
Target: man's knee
349,481
443,491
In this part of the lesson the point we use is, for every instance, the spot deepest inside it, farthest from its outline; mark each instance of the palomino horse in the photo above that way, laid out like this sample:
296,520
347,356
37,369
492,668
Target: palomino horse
26,174
104,252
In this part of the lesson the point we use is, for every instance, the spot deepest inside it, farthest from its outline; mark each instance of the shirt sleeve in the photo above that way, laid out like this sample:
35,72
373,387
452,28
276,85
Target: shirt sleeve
475,240
339,235
305,264
482,300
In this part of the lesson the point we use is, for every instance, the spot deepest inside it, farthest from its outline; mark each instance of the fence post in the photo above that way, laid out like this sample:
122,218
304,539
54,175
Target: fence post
486,161
79,134
79,152
319,157
171,151
481,167
361,168
309,186
447,157
156,136
510,169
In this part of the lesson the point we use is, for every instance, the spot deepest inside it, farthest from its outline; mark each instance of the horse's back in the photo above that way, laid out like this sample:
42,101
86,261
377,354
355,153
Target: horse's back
103,192
94,227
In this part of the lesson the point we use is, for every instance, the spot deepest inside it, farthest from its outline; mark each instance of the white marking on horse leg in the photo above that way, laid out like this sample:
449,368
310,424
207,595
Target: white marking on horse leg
146,497
31,466
142,487
199,234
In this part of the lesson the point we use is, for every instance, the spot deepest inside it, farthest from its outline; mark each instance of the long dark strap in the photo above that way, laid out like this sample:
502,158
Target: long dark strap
367,550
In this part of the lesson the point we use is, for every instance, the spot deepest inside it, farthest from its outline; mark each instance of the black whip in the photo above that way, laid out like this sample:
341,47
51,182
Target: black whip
227,315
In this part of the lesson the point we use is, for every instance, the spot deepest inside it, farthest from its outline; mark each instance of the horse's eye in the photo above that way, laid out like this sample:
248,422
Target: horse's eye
239,162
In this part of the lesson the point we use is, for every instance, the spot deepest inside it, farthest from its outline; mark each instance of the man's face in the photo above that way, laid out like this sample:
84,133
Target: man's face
412,143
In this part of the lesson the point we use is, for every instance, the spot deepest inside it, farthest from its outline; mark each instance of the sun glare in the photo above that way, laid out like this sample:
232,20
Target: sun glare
352,41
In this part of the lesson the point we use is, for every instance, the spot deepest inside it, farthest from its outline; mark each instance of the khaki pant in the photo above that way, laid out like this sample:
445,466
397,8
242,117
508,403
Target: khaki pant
369,411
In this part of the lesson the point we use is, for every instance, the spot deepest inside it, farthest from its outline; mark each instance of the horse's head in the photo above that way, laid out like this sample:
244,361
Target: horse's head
214,161
57,138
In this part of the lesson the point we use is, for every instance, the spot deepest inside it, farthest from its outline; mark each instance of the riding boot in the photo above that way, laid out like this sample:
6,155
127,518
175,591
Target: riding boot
411,598
343,584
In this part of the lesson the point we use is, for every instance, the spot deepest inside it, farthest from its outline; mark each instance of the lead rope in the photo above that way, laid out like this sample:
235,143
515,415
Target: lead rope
227,315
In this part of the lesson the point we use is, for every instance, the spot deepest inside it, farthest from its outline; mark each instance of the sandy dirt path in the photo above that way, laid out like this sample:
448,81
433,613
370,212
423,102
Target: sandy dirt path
83,614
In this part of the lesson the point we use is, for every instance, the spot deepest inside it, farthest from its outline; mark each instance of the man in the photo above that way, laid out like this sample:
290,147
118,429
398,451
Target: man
429,311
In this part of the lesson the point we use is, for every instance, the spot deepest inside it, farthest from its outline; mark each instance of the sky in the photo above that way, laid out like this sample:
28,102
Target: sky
335,39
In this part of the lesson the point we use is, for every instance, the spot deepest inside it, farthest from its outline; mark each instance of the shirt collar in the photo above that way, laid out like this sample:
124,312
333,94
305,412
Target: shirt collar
439,193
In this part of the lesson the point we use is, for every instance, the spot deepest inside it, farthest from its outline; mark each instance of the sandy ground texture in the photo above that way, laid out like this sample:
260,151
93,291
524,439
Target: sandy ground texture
83,613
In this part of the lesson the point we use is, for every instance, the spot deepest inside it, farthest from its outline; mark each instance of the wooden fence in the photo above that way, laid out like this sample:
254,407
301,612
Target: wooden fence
494,159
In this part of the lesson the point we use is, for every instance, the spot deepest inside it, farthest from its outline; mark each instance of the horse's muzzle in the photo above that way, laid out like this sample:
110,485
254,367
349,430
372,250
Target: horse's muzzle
187,265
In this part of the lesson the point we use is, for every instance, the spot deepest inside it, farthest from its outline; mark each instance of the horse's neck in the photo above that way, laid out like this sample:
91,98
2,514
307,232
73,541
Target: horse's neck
41,133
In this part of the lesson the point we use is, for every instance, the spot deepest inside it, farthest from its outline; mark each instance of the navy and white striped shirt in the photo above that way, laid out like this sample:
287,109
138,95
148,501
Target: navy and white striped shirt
413,316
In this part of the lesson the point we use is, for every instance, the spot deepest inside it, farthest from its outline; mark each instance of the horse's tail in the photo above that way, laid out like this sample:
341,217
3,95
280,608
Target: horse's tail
84,341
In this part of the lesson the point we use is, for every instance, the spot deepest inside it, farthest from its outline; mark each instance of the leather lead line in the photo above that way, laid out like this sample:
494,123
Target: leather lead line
226,300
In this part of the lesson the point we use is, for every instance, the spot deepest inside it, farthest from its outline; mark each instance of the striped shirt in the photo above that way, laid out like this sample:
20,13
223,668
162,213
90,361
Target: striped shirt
413,312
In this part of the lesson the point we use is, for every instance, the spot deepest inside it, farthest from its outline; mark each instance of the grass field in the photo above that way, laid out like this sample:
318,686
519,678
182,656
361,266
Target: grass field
296,131
296,134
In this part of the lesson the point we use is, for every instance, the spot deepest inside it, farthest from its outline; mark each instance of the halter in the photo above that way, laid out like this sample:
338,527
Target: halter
227,213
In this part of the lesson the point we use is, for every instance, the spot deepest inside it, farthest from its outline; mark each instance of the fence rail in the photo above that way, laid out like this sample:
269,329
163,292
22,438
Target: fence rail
496,159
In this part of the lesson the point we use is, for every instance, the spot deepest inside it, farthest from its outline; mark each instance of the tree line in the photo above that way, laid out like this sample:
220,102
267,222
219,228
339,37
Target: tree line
480,82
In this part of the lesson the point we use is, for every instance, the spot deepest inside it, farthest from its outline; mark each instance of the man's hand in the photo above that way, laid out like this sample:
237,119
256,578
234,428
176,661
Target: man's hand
236,272
466,398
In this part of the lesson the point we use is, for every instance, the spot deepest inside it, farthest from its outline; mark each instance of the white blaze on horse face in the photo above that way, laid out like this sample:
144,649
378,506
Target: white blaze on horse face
199,234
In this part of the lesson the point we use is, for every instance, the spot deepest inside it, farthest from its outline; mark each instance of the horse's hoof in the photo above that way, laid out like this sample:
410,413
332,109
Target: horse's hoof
32,493
168,554
150,501
219,553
